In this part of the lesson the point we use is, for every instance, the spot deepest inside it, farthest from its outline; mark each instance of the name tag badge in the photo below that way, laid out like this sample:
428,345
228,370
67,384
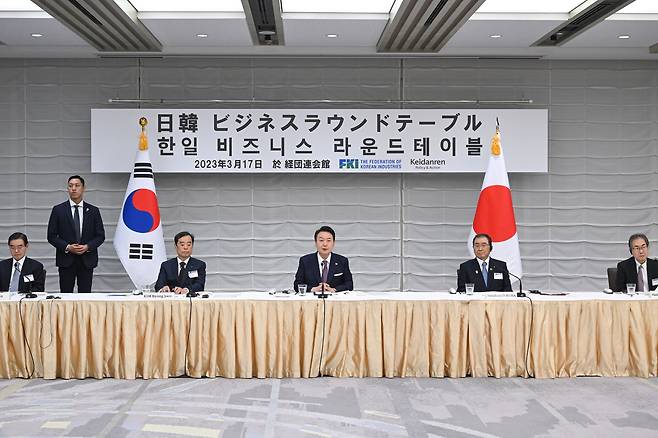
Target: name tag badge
498,275
28,278
654,282
192,274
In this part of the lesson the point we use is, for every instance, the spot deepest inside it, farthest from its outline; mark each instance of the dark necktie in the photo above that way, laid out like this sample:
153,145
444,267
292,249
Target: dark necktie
485,274
182,274
76,222
325,271
640,279
16,278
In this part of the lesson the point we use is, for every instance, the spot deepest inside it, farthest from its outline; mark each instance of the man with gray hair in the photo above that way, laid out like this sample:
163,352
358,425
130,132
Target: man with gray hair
638,269
19,273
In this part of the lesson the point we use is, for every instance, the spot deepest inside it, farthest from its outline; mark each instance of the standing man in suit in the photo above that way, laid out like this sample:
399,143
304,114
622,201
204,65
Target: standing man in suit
638,269
75,229
183,273
324,271
485,273
20,273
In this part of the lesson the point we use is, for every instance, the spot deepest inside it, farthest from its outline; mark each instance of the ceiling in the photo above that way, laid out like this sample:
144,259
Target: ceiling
434,28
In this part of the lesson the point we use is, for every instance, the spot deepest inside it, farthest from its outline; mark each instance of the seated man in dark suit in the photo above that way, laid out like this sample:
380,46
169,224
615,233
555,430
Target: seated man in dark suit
184,273
20,273
485,273
638,269
324,271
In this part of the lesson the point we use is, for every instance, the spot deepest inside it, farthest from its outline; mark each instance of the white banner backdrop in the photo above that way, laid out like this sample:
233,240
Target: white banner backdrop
319,141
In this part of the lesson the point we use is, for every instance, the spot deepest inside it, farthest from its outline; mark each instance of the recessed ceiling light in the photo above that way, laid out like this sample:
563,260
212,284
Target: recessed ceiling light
202,35
18,6
624,37
187,5
525,6
332,35
340,6
495,36
36,35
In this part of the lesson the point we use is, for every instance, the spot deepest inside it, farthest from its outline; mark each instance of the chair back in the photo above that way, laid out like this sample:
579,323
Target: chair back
612,278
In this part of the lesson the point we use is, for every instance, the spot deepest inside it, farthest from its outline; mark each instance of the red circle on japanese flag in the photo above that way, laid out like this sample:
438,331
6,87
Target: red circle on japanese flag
494,214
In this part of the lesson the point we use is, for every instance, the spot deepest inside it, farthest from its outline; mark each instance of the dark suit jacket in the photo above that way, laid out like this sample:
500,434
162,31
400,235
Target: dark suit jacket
469,272
627,273
169,275
61,232
30,266
338,276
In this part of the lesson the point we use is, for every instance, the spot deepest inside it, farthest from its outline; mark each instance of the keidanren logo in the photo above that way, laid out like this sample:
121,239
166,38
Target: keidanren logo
426,162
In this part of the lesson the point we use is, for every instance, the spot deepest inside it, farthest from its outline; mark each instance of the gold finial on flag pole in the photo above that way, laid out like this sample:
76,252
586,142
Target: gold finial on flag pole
143,141
495,141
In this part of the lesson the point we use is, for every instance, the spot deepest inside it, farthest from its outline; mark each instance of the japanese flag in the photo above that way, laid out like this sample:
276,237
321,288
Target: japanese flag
494,214
138,239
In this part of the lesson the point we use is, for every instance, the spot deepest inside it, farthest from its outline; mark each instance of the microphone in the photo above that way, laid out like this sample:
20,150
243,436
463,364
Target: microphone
520,293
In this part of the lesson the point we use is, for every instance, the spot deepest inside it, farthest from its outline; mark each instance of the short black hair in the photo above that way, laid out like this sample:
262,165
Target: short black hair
637,236
82,180
178,236
15,236
324,228
478,235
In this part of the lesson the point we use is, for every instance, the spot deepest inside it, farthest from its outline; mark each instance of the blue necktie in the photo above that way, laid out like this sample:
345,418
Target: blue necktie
485,274
16,278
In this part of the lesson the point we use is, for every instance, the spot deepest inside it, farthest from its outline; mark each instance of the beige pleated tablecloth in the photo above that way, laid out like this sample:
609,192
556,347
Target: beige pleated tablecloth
354,335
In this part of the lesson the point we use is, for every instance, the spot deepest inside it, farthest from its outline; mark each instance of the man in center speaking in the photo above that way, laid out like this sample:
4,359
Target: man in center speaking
324,271
183,273
485,273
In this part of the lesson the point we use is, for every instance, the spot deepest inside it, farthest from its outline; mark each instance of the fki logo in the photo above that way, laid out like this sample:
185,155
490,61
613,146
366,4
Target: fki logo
348,163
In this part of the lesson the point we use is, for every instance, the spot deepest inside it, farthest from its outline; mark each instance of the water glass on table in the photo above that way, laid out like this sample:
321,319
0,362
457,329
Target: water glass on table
630,288
302,289
470,287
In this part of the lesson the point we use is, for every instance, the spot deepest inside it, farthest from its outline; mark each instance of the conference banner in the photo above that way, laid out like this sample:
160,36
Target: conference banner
320,140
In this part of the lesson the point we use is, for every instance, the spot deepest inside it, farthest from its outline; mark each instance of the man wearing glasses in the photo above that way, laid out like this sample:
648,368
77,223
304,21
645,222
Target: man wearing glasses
638,269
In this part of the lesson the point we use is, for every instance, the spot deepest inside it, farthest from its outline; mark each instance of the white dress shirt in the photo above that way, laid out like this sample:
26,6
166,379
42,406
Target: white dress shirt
320,259
484,261
13,266
182,261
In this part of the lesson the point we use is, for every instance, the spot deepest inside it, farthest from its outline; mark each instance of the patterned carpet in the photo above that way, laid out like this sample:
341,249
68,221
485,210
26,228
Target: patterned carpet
329,407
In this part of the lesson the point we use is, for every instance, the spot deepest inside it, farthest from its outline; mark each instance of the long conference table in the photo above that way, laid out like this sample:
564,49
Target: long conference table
383,334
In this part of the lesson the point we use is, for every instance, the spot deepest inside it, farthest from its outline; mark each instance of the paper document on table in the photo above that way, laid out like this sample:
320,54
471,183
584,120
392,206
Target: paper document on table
552,293
497,294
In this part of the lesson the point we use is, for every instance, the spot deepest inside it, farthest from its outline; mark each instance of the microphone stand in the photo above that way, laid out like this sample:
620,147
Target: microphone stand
29,293
520,293
323,294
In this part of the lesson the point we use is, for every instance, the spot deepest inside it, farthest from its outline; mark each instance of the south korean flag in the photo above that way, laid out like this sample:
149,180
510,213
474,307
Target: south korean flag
139,240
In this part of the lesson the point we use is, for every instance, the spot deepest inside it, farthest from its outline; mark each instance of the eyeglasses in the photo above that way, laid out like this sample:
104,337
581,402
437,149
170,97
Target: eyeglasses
639,248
